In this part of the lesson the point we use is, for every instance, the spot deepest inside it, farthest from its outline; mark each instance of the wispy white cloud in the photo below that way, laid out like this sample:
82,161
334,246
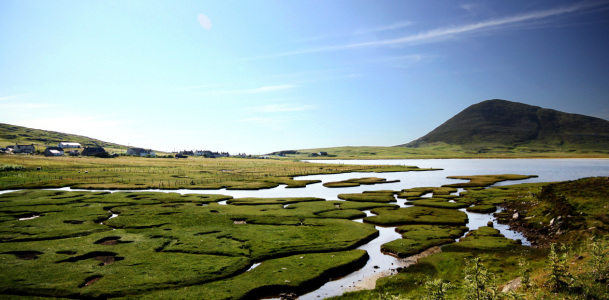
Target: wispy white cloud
193,87
267,121
444,33
12,105
470,7
393,26
272,108
10,97
259,90
403,59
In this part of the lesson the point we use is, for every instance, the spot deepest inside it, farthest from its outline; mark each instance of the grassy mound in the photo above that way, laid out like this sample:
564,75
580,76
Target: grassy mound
357,182
370,196
485,180
417,215
439,203
293,274
437,192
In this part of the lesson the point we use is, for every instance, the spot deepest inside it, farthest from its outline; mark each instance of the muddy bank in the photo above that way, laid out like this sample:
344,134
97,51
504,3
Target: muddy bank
310,285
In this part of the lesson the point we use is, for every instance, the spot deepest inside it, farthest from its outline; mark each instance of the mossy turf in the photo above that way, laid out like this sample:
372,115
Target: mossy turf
483,239
259,201
439,203
357,182
417,238
165,241
426,232
483,208
370,196
417,215
293,274
437,192
485,180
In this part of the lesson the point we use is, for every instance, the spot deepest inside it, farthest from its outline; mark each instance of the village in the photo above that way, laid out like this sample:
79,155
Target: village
76,149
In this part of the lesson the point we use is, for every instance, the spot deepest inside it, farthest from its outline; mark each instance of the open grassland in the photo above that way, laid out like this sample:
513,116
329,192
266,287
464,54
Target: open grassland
446,151
24,172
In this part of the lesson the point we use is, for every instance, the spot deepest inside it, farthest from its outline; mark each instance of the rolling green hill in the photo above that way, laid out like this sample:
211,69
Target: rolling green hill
11,134
500,124
494,129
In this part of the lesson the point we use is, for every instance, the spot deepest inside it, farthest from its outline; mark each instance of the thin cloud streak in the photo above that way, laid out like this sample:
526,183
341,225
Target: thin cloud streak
394,26
264,89
24,105
10,97
272,108
440,34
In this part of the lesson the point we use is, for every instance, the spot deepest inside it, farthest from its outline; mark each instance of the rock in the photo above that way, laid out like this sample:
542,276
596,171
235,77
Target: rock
512,285
288,296
376,267
490,224
516,216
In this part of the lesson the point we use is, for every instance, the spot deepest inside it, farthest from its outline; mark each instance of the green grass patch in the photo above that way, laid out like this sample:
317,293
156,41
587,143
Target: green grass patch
482,209
485,180
483,239
417,215
439,203
371,196
259,201
357,182
293,274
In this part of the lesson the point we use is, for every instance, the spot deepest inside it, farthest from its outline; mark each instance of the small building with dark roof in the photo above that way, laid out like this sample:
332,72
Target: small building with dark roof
94,151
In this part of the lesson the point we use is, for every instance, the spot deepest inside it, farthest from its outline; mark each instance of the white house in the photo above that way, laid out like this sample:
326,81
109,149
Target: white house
53,151
27,149
69,145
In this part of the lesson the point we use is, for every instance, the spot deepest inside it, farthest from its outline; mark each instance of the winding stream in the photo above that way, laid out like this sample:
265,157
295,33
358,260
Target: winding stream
380,264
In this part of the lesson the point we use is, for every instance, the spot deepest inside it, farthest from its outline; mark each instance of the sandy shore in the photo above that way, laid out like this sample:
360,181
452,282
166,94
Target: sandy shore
369,282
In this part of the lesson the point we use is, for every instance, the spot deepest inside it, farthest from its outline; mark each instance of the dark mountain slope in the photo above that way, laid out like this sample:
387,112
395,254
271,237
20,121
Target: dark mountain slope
11,134
501,123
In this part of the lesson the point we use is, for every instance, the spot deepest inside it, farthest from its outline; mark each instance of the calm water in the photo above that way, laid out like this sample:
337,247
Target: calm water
547,169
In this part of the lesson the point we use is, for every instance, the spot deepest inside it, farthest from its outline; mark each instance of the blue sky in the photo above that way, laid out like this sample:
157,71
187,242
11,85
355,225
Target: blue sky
259,76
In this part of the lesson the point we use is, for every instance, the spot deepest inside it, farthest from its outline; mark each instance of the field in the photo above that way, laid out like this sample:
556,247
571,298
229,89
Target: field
21,171
446,151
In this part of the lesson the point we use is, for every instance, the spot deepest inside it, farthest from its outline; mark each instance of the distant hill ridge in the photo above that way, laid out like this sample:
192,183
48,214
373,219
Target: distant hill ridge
12,134
504,123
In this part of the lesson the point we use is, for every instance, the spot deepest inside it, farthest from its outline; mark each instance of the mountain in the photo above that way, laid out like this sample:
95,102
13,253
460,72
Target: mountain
11,134
494,124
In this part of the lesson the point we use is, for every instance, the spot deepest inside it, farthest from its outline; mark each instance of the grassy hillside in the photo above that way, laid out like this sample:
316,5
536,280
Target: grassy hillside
11,134
499,125
442,150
